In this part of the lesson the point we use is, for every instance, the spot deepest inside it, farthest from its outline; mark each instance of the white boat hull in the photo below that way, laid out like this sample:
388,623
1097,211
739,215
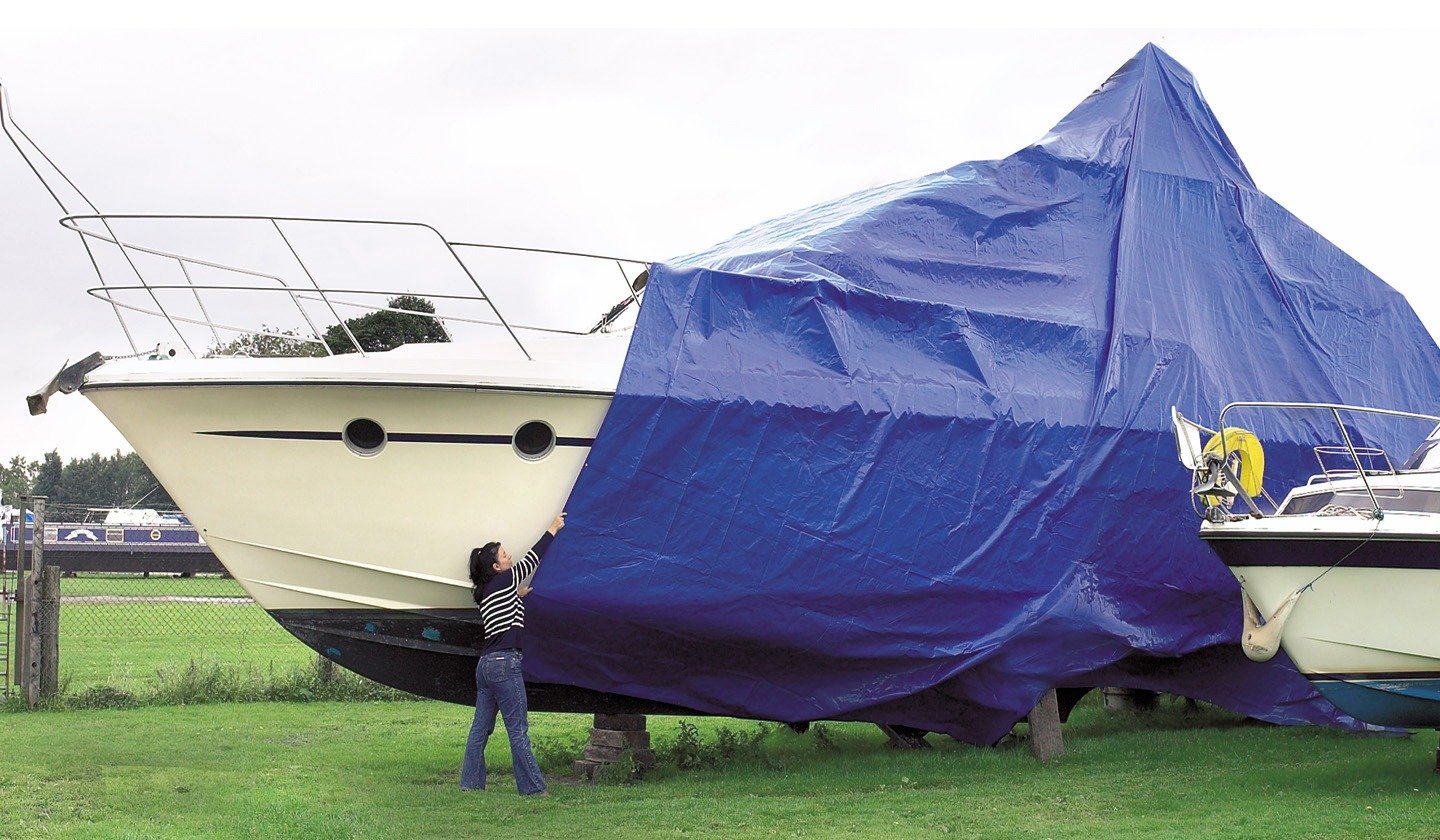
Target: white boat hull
1353,621
1365,629
365,557
305,523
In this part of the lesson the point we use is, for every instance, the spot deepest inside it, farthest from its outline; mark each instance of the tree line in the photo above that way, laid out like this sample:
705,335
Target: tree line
119,480
376,332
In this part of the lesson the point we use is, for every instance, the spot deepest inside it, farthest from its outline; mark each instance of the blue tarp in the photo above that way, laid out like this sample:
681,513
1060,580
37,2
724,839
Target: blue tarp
906,456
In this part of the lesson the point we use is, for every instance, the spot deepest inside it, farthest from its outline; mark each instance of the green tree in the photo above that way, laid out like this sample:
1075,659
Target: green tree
87,481
140,487
16,479
118,480
386,330
269,343
48,476
376,331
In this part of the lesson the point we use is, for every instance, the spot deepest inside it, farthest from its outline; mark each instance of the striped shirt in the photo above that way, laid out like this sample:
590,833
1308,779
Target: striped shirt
502,612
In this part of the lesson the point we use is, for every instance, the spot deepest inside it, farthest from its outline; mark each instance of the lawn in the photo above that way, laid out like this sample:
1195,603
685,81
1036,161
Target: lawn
390,770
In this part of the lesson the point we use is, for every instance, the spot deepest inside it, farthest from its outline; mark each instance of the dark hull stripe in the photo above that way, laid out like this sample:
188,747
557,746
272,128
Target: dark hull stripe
1401,553
398,437
442,386
278,435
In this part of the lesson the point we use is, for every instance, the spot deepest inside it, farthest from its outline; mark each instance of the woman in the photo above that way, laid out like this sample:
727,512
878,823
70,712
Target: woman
495,577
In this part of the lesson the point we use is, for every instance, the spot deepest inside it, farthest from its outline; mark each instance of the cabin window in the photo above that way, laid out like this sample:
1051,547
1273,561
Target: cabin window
364,436
534,440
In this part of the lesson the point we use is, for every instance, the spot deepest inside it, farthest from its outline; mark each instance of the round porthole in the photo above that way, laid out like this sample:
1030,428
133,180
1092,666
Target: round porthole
364,436
534,440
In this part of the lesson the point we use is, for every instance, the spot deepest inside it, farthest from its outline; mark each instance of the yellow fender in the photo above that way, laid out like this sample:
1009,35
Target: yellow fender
1245,446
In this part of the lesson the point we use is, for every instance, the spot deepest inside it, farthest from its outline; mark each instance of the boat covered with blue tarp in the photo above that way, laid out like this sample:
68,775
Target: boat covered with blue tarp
906,456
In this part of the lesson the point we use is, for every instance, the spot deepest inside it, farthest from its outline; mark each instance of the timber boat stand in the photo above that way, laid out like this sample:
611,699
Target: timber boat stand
611,739
1047,741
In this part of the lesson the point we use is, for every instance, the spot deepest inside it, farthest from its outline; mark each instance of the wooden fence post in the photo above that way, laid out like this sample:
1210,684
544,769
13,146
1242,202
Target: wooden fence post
30,665
32,625
24,626
48,631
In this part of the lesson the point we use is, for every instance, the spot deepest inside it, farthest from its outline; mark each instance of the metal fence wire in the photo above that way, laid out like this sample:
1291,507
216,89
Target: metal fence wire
158,611
127,630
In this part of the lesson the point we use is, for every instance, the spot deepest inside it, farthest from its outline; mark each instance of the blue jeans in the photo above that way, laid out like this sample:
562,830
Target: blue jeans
500,685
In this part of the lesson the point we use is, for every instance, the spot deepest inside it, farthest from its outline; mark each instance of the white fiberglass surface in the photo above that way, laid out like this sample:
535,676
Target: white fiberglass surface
1353,620
570,363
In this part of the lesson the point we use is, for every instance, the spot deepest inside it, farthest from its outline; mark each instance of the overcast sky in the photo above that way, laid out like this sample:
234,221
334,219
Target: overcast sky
649,144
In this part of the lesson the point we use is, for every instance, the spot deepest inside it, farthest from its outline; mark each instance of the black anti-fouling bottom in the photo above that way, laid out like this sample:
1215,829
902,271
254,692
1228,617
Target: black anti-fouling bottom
433,654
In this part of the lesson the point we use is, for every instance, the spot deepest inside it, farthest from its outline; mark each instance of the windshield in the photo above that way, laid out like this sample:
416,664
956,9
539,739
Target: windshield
1427,455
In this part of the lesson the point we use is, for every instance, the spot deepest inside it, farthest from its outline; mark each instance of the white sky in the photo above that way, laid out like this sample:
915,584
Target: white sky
637,143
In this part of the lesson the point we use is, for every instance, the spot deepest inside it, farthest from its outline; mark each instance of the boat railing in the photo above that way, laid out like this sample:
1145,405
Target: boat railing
96,228
631,274
1356,455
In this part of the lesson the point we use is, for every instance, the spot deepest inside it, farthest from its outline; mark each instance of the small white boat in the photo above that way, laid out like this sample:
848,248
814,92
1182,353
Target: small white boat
1344,570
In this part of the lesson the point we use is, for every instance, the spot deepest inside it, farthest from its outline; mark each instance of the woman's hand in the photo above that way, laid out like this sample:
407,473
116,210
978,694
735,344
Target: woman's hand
557,524
526,591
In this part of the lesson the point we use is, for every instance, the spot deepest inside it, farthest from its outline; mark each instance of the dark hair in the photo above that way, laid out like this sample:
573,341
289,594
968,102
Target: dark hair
482,567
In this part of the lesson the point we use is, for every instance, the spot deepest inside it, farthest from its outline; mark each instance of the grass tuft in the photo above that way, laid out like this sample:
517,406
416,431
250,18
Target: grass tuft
203,681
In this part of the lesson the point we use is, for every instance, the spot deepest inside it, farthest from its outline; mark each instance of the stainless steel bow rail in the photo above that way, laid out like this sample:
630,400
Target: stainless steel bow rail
96,228
1216,465
632,273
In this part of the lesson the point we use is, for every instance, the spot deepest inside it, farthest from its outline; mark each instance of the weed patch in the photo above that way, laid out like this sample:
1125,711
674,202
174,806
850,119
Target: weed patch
728,747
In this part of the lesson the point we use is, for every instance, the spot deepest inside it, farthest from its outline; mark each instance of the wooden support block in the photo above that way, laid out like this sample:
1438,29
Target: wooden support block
586,769
1046,741
612,738
619,738
607,754
626,723
607,738
1130,699
904,737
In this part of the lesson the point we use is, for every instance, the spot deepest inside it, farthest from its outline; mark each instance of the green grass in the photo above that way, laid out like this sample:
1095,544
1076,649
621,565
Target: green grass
390,770
205,586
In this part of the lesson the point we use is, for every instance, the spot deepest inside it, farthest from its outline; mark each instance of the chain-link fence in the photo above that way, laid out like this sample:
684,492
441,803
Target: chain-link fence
127,630
142,598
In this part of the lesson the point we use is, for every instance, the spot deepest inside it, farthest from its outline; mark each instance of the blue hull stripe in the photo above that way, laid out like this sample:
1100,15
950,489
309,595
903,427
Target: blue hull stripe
1412,703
